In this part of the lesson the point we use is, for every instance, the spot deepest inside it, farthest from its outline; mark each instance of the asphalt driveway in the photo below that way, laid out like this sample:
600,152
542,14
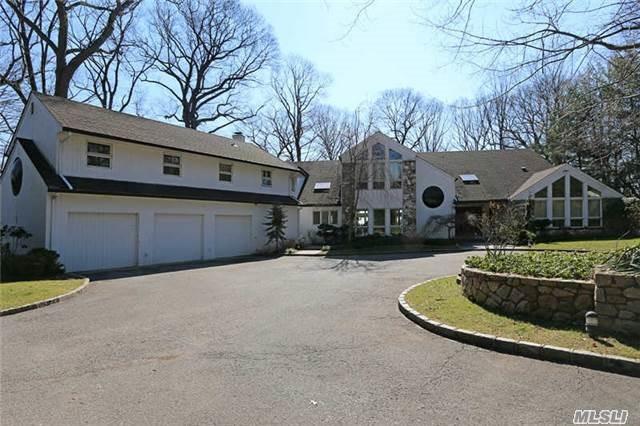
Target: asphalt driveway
289,340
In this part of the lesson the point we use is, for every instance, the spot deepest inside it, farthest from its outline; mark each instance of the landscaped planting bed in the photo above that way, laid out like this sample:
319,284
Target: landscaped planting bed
546,264
442,300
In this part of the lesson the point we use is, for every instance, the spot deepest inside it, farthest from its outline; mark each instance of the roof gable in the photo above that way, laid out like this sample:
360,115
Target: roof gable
92,120
371,140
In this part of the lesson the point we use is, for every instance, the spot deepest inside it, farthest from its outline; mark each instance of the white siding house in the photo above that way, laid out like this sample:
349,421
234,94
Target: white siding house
110,190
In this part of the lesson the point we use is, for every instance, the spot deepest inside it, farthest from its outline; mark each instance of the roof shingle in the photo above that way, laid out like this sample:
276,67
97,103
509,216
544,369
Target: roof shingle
500,172
321,171
90,119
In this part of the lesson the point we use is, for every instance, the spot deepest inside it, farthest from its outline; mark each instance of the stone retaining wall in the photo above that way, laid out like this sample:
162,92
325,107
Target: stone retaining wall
549,299
617,302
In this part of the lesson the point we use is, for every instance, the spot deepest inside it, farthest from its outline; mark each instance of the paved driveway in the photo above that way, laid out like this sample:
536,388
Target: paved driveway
290,340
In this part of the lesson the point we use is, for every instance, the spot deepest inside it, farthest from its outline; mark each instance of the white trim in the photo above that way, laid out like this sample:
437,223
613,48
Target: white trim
526,193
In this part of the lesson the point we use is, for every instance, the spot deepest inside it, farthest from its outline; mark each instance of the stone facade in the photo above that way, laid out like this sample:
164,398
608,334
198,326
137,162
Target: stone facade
347,192
617,302
558,300
409,198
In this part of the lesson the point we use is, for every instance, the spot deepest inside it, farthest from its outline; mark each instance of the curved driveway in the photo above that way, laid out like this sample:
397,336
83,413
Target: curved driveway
292,340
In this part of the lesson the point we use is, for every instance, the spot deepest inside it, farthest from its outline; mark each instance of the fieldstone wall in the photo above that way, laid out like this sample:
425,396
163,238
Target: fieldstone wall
617,302
409,198
549,299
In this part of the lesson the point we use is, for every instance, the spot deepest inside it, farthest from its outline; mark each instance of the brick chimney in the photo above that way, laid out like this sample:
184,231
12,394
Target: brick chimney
238,137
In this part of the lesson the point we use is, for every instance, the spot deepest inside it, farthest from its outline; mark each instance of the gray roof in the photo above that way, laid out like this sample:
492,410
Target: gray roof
500,172
93,120
321,171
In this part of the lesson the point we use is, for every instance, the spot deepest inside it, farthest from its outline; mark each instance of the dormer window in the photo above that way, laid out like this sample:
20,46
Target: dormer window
225,172
98,155
171,165
266,178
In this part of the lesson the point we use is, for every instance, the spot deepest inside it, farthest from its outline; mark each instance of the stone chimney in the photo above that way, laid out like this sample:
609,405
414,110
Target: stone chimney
238,137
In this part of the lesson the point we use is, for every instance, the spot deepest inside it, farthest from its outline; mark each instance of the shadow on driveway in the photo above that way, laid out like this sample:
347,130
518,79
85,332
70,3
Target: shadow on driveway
138,271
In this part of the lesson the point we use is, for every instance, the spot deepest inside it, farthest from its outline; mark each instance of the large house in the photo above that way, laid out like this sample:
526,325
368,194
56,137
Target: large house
395,190
110,190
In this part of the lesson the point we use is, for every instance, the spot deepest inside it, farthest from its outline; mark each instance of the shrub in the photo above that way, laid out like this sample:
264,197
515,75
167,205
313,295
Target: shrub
331,234
625,260
502,226
546,264
276,224
37,264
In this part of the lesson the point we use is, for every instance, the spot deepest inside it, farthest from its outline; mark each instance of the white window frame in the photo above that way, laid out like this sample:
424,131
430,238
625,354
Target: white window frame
317,213
589,217
173,165
225,173
391,163
362,230
266,181
100,155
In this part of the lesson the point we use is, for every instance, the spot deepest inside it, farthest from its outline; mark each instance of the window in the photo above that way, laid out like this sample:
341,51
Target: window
362,222
396,221
225,172
575,204
378,175
378,221
395,169
557,203
433,197
377,152
292,184
16,176
171,165
98,155
469,179
266,178
595,208
316,218
363,176
333,217
322,187
329,217
540,204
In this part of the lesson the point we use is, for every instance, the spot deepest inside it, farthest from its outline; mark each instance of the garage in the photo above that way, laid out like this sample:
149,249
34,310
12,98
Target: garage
101,241
177,238
233,235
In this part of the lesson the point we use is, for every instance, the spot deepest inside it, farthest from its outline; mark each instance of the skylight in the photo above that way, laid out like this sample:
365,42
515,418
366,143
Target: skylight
469,179
322,186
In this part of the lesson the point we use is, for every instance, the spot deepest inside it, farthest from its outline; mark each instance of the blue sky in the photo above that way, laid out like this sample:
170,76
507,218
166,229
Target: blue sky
388,48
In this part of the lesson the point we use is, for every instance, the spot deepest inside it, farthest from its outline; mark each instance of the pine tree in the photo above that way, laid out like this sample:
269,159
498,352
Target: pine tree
276,223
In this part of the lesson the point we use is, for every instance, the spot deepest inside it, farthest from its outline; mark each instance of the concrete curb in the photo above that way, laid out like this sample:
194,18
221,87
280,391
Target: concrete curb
41,303
610,363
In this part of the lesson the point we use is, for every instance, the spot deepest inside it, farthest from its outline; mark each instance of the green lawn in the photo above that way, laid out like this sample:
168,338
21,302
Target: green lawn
25,292
596,245
442,300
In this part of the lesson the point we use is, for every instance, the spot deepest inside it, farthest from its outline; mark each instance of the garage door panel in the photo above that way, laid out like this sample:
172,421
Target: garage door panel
101,241
232,235
177,238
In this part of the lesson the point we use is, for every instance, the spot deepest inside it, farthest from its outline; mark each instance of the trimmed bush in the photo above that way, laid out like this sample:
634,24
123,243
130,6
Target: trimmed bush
546,264
37,264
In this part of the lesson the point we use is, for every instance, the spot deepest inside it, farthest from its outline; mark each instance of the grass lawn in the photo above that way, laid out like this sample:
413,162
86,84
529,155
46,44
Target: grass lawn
442,300
22,293
596,245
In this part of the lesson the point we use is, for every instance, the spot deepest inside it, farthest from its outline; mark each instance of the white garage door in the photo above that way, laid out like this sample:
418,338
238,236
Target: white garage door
233,235
177,238
101,241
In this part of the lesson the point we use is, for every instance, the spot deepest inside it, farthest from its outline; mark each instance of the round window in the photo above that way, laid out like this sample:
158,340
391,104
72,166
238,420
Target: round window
16,176
433,197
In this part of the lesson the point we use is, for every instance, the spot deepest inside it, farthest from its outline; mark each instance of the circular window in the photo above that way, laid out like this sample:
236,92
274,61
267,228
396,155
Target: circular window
432,197
16,176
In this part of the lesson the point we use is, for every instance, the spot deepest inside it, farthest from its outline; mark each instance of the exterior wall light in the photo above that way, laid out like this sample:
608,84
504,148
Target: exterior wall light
591,323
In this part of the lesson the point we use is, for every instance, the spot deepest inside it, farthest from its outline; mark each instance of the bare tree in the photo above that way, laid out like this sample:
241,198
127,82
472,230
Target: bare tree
56,39
285,125
471,125
412,119
542,33
355,164
204,53
329,127
113,74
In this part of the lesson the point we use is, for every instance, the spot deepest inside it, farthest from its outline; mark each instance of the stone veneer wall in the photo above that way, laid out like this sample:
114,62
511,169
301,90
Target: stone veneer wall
617,302
409,198
549,299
